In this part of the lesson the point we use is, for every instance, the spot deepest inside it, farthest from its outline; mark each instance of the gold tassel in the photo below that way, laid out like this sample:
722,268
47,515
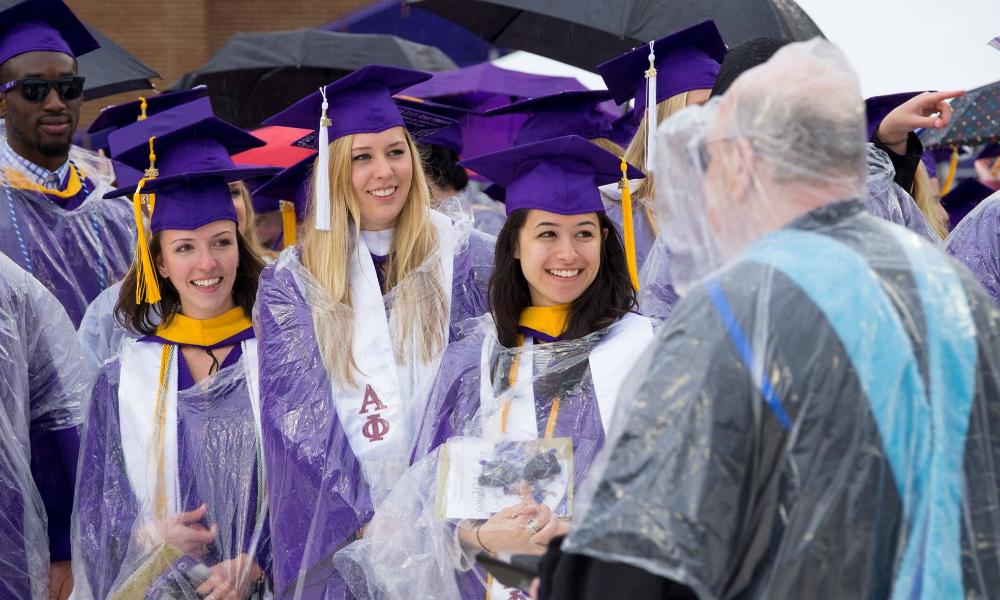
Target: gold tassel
288,226
142,108
952,169
627,227
146,287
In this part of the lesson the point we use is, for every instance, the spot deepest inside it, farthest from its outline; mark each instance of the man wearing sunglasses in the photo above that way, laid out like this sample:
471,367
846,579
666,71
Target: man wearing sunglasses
55,225
54,222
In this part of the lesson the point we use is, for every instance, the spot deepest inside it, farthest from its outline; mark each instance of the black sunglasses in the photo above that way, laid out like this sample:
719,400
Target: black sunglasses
36,89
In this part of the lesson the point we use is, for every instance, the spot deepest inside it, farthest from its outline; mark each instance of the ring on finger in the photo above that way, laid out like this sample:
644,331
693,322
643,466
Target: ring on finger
532,526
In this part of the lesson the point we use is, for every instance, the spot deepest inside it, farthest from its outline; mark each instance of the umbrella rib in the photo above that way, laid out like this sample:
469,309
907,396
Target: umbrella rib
507,25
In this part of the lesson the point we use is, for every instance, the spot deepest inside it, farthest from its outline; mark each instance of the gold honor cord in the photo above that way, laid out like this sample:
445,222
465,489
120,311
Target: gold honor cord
160,415
550,424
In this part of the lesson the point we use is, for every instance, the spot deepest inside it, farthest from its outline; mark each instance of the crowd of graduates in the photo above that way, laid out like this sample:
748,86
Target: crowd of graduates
723,347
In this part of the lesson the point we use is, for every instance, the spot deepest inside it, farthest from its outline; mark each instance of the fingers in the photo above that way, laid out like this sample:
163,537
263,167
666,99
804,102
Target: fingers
218,586
935,97
193,516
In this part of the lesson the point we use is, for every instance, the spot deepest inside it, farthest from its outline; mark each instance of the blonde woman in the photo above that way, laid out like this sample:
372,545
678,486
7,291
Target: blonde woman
687,63
353,324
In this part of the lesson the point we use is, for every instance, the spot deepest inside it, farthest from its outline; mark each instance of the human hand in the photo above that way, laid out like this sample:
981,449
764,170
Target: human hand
928,111
185,532
507,530
231,579
60,579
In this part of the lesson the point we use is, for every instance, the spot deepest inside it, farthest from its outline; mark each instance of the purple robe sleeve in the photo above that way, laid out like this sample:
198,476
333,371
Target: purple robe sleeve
317,493
454,397
75,253
106,507
473,267
976,243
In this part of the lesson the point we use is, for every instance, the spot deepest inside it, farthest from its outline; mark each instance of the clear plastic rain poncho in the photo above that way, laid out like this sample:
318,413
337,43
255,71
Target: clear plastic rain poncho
151,457
331,445
76,245
885,199
502,426
975,242
42,386
818,418
487,214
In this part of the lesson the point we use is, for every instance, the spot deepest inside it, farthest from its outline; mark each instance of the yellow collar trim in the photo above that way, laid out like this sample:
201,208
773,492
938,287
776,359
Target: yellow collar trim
17,180
550,320
204,332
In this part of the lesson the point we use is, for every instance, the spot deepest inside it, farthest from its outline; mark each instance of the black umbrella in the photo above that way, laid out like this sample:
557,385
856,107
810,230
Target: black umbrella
585,33
255,75
110,69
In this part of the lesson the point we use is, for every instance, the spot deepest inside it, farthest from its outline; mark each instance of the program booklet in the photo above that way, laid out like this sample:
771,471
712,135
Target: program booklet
479,477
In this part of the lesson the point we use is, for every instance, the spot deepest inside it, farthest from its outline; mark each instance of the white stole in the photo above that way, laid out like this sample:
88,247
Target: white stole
138,389
610,362
378,413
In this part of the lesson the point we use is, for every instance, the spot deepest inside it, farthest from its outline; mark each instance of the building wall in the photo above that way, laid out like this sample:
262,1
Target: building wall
176,36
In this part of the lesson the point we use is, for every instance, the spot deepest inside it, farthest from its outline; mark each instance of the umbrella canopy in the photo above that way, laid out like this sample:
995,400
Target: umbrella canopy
110,69
975,122
585,33
394,17
485,86
256,75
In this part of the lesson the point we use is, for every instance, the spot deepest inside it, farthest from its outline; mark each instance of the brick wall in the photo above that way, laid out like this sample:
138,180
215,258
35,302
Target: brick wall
176,36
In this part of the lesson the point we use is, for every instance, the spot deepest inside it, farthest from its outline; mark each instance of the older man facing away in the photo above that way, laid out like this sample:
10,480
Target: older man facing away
815,419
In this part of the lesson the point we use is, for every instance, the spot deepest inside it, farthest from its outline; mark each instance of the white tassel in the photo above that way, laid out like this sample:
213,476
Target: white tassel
651,112
322,198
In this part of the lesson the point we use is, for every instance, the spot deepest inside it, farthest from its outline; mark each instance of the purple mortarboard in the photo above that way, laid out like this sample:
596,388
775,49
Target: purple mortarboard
45,26
686,60
291,184
995,43
358,103
559,175
965,197
562,114
186,139
449,136
119,115
624,128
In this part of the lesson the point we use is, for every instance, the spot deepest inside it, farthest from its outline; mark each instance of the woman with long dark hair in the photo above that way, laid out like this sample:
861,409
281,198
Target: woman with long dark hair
172,496
524,402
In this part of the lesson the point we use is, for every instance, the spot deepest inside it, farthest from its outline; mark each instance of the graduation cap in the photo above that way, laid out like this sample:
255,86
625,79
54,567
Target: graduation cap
680,62
557,115
185,181
43,26
358,103
560,175
686,60
186,138
964,198
120,115
287,191
449,136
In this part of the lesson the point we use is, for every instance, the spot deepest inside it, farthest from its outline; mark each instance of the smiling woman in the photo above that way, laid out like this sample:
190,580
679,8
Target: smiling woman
353,324
172,437
546,367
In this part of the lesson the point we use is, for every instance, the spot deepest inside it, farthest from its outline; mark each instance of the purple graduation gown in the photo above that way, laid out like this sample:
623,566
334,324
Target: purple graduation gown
75,246
218,461
317,492
43,382
975,242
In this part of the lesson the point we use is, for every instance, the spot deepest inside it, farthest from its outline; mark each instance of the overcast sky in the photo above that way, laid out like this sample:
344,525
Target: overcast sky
908,45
